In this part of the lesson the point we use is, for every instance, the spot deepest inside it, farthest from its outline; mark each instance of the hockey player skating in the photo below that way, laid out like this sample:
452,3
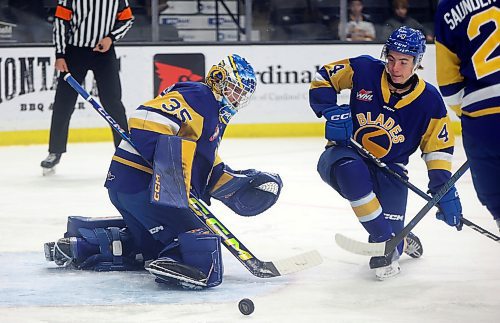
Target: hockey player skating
468,75
178,133
392,112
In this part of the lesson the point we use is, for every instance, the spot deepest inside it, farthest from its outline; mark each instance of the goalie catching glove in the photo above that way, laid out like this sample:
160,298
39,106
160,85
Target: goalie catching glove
247,192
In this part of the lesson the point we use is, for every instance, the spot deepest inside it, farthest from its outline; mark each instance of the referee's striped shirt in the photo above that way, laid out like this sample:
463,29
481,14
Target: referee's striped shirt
83,23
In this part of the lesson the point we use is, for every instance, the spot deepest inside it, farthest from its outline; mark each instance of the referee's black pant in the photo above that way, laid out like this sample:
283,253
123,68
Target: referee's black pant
105,67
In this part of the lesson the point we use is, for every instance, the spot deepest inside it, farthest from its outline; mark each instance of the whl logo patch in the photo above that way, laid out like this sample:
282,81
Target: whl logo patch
172,68
364,95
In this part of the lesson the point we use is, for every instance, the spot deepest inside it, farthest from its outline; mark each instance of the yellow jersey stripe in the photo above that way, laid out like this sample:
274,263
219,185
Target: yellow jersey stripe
483,112
133,164
447,66
188,150
438,164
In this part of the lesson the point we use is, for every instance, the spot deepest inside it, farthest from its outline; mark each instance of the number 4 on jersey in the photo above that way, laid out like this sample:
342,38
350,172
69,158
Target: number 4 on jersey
443,134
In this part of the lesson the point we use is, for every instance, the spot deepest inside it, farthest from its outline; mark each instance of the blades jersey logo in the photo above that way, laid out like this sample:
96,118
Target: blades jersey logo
378,133
173,68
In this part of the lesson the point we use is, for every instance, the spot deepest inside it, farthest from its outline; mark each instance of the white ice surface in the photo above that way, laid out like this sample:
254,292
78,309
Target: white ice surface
457,279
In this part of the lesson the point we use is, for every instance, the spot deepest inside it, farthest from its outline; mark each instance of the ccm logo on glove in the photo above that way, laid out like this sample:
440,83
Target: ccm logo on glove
344,116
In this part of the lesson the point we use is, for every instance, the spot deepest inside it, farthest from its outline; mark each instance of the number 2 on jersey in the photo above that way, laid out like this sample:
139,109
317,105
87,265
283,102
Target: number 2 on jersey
483,65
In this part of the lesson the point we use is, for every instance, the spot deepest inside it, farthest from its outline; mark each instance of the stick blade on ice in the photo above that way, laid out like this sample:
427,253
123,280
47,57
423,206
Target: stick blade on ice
298,263
359,247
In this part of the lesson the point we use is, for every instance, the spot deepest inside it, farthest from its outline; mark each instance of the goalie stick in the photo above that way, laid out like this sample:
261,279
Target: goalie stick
386,247
259,268
418,191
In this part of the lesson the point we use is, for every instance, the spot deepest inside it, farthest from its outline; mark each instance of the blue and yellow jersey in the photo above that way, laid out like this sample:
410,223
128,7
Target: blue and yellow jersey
390,126
468,55
188,110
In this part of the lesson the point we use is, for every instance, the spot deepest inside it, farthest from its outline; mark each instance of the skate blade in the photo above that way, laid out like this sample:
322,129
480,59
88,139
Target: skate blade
170,278
48,171
386,272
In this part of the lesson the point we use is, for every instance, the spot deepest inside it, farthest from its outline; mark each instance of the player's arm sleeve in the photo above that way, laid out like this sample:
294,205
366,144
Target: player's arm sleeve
327,83
449,78
61,27
437,146
124,20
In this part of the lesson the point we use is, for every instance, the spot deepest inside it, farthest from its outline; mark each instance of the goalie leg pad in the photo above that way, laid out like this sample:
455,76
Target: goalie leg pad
250,192
203,251
95,246
196,251
76,223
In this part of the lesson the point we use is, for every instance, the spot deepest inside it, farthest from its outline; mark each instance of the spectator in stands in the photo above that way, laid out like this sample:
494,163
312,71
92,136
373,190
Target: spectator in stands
359,27
401,18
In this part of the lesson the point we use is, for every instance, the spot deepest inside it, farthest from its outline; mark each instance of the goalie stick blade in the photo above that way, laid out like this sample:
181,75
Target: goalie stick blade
298,263
360,248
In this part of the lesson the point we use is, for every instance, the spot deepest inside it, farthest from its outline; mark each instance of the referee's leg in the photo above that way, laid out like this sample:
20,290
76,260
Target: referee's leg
106,72
64,101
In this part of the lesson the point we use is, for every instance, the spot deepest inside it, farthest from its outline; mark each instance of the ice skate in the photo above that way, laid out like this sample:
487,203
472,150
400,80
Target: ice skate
59,252
386,266
49,163
413,246
171,272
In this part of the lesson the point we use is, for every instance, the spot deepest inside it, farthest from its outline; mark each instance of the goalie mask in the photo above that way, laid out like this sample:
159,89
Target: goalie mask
406,40
233,82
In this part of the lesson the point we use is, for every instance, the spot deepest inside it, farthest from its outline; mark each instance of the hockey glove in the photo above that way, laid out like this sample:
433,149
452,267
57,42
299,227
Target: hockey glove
338,126
450,209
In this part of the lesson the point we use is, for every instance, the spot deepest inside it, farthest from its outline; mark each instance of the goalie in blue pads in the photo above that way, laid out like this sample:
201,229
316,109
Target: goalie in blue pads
175,138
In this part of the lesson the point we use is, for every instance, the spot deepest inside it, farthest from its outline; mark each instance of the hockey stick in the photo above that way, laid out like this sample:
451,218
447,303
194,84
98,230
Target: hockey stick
418,191
384,248
262,269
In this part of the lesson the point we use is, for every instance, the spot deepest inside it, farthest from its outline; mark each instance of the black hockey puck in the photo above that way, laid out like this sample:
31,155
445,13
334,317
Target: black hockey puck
246,306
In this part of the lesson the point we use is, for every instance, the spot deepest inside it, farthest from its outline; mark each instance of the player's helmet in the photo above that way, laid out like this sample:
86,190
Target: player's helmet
407,41
233,81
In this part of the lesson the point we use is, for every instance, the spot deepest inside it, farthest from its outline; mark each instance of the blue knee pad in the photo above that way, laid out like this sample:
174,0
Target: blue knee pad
200,249
102,244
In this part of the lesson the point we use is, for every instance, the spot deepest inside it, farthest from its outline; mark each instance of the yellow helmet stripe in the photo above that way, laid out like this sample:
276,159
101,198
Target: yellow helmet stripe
235,70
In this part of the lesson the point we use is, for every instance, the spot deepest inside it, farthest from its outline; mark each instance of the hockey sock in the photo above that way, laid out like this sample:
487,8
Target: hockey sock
354,180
